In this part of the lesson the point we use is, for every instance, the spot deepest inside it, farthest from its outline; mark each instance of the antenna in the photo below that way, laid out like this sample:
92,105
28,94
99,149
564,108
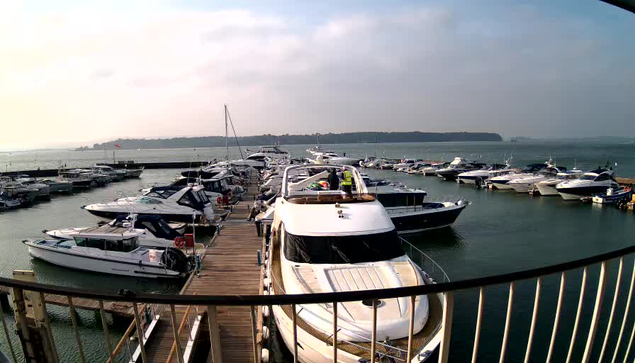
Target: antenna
226,135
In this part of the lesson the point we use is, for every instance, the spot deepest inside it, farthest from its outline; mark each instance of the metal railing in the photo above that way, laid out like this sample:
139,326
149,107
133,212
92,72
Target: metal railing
612,339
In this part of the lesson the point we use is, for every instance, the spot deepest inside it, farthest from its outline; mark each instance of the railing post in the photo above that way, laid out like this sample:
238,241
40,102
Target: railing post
626,310
534,317
335,332
6,335
254,332
104,324
556,319
214,334
71,308
140,333
510,304
294,318
411,326
615,296
578,313
448,312
596,312
49,331
175,332
479,321
373,337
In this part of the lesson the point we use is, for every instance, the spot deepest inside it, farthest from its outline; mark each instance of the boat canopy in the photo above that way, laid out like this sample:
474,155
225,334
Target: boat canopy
342,249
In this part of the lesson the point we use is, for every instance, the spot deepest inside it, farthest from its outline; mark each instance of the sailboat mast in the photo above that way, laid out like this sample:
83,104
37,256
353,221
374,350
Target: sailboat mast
226,135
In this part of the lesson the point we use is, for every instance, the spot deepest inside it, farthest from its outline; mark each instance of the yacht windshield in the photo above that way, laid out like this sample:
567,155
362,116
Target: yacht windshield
587,177
342,249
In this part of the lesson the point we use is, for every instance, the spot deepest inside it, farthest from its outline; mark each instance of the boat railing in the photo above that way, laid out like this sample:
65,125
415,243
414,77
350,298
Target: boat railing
601,330
427,264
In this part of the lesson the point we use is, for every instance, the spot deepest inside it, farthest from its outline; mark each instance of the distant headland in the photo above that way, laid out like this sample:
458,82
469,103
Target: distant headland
267,139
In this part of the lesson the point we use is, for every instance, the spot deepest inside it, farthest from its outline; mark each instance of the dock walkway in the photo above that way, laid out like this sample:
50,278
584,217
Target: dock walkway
229,267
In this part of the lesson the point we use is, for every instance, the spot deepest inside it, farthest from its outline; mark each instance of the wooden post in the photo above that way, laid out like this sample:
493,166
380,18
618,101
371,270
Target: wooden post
214,335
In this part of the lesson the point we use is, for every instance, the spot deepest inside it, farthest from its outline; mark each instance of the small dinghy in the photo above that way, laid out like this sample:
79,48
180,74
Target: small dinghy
613,195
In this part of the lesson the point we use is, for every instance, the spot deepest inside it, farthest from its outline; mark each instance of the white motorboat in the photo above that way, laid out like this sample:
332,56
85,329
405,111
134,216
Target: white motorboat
273,152
188,204
501,182
459,166
122,256
114,174
43,190
547,187
7,202
331,158
590,183
404,163
481,175
326,241
79,178
151,231
527,183
432,169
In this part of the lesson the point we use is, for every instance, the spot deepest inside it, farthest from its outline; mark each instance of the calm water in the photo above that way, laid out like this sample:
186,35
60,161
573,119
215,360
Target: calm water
500,232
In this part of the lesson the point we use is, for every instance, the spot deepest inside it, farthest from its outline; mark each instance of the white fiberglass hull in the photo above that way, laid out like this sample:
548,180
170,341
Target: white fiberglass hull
314,350
113,266
547,189
521,187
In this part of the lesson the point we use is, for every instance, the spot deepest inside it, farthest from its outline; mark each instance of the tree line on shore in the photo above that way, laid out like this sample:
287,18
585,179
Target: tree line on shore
268,139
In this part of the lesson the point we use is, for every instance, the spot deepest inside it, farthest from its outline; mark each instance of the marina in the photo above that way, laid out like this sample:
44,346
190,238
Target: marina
232,255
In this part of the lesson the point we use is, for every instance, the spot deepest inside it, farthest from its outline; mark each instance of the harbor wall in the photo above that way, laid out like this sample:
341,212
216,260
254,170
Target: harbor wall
42,173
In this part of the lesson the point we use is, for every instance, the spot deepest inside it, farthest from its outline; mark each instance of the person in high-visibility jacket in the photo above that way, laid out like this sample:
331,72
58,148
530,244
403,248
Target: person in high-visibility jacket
347,181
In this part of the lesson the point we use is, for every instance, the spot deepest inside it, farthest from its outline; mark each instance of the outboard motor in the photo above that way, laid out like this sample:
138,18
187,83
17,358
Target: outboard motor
174,259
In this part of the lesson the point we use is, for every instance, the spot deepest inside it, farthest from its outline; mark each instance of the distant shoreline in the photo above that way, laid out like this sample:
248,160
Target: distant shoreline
331,138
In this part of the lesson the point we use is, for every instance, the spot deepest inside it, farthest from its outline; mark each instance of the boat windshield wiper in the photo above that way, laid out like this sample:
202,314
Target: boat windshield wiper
342,255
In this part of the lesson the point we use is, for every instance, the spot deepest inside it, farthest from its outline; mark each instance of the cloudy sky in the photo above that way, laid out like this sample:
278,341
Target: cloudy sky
77,72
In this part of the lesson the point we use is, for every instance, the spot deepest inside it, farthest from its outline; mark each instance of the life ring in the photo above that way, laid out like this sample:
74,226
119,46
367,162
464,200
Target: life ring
179,242
219,201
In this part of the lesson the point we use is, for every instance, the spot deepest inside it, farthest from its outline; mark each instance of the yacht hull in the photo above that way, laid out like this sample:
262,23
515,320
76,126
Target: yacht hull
110,215
502,185
577,193
522,187
408,221
101,265
546,190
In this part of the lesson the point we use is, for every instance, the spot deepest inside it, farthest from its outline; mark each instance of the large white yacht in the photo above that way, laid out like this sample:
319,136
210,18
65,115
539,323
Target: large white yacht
527,183
188,204
482,175
547,187
326,241
331,158
501,182
590,183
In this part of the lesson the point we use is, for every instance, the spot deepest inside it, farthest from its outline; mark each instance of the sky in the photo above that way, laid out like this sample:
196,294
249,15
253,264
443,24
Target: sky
78,72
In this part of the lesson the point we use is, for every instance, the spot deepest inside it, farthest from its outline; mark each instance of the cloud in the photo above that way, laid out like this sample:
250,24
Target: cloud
416,68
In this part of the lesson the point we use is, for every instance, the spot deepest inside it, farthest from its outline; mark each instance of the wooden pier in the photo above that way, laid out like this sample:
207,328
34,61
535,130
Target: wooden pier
229,266
120,309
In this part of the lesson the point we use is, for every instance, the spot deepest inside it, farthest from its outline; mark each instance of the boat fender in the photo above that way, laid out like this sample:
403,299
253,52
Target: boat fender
265,355
219,201
265,282
265,332
179,242
265,311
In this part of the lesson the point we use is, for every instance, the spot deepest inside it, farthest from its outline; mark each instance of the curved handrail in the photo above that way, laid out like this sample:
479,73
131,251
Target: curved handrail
318,298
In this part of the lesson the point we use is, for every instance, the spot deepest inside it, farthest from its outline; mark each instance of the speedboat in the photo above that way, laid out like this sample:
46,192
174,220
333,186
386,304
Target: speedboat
121,256
273,152
404,164
151,231
327,241
411,214
58,186
114,174
527,183
547,187
7,202
458,166
331,158
79,178
432,169
188,204
501,182
593,182
481,175
43,192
